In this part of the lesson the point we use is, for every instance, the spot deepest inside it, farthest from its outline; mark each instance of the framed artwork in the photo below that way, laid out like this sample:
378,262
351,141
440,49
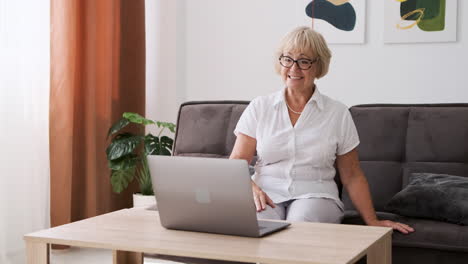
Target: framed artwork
339,21
420,21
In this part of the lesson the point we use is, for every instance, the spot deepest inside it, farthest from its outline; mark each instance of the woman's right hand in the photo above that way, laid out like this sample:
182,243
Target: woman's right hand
261,199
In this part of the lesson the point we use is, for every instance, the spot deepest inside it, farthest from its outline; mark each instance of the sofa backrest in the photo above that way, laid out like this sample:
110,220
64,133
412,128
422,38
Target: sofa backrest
205,128
399,139
395,140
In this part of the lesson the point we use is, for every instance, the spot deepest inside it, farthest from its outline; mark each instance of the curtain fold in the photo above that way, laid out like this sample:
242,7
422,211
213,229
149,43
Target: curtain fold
97,73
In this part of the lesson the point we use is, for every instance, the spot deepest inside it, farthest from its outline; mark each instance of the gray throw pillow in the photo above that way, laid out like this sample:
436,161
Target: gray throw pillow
436,196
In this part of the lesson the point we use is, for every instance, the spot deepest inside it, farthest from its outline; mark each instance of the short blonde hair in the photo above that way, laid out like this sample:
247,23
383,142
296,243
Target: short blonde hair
307,41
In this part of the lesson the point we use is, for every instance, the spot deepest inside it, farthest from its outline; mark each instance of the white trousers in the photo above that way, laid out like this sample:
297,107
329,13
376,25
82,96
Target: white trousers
321,210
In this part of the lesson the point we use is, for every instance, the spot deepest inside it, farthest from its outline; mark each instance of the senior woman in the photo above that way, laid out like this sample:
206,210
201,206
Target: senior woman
298,134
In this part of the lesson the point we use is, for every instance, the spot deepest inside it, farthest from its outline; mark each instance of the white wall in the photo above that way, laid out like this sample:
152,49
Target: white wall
24,120
228,54
165,59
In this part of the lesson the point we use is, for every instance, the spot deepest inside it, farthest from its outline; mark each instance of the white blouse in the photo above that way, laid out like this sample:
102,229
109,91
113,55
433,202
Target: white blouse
297,162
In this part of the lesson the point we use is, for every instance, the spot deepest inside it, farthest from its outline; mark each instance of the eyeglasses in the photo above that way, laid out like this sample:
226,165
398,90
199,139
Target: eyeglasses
303,64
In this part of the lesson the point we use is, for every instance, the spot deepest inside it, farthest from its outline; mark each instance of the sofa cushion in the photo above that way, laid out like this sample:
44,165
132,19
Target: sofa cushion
382,132
379,174
437,134
428,233
236,113
207,127
436,196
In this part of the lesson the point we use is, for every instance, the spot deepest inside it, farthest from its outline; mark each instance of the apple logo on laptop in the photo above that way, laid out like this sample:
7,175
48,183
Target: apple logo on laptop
202,196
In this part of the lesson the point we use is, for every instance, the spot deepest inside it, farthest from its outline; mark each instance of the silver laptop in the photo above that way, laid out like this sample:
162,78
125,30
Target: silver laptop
207,195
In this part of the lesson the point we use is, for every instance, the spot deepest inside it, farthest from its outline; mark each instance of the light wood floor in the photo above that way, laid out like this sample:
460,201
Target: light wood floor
91,256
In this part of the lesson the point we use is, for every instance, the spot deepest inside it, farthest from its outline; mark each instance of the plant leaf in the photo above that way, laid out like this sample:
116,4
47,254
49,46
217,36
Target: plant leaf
151,144
144,178
164,152
122,145
137,119
124,162
166,146
167,141
168,125
117,126
121,178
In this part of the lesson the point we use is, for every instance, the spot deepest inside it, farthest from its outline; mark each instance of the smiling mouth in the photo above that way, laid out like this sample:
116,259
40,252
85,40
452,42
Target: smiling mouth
295,77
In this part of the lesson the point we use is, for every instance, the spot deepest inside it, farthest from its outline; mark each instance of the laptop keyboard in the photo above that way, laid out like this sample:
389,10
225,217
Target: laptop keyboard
263,225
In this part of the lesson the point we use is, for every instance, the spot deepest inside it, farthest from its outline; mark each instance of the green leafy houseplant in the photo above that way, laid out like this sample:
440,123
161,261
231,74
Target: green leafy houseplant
127,152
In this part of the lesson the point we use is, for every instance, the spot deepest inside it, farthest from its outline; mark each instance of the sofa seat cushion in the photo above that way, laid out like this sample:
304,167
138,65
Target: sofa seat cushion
428,233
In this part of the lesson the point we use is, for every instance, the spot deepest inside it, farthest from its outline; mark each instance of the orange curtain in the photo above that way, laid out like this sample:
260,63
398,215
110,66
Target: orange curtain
97,73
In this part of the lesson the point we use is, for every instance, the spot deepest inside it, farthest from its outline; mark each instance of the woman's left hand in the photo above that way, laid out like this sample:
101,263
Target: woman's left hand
403,228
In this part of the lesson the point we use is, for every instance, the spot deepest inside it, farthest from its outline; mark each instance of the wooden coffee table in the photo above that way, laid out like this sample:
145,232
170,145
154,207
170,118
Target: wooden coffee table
130,232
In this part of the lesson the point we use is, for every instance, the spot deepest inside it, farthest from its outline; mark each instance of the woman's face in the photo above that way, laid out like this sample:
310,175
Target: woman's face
294,77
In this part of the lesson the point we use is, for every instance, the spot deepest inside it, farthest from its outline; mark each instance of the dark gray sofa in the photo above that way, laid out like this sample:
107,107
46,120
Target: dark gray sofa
395,141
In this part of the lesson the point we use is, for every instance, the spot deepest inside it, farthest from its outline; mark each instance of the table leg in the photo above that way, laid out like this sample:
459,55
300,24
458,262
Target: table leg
37,253
381,251
127,257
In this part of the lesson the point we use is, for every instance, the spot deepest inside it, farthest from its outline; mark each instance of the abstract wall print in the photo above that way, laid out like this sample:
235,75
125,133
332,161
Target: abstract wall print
339,21
420,21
